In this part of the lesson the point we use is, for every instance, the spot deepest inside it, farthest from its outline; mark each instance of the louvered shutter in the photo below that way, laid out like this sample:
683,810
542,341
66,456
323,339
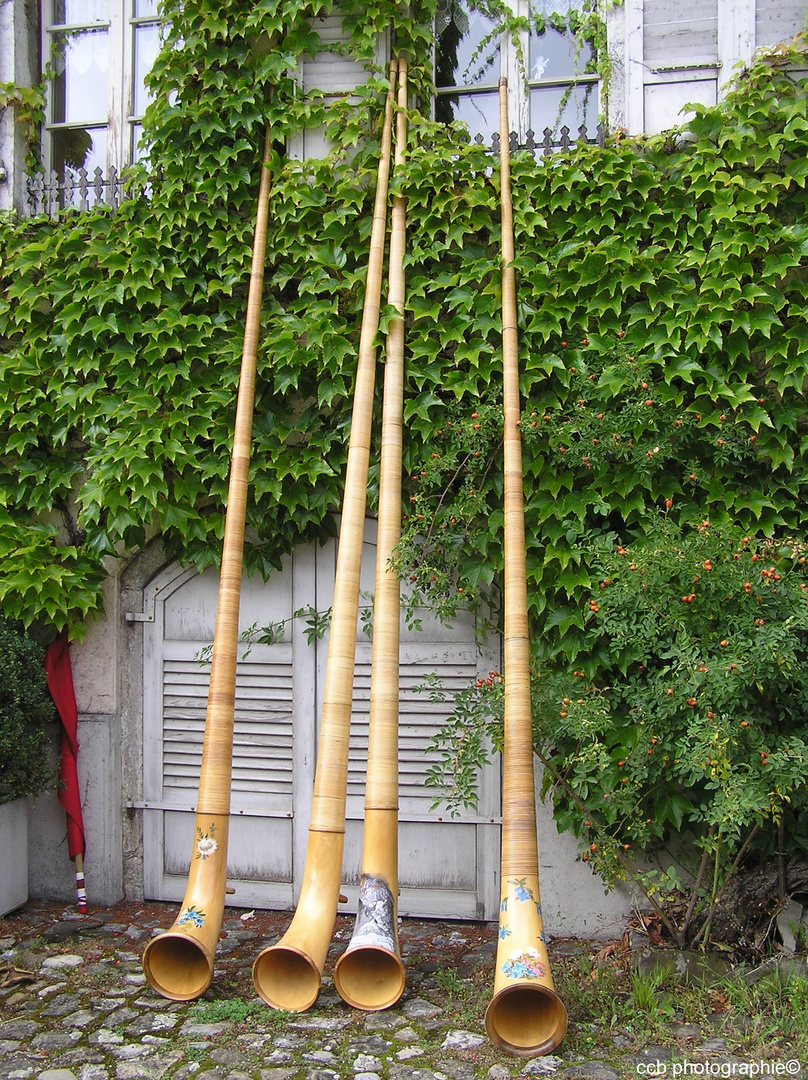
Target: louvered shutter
448,866
332,72
266,771
684,51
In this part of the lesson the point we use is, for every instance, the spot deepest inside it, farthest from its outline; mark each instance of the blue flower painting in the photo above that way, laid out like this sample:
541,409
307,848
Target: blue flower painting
191,915
524,965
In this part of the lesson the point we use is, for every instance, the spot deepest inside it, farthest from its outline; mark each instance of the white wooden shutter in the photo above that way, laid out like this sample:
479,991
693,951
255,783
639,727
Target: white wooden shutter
263,729
448,866
778,20
334,73
271,766
681,51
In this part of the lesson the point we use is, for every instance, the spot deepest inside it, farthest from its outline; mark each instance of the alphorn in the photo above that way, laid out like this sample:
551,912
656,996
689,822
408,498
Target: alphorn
525,1016
288,975
179,963
369,974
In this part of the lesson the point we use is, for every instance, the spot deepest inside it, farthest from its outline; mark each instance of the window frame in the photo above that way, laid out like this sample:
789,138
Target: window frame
120,119
520,85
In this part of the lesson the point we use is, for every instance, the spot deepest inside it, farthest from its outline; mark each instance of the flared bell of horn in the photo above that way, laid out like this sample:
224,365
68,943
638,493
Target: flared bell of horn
369,974
525,1016
179,963
288,975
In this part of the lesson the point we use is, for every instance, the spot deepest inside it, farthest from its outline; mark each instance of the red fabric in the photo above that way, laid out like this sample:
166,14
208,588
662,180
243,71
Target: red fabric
59,677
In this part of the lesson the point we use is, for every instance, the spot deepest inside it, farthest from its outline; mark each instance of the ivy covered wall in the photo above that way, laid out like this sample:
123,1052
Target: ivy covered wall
662,288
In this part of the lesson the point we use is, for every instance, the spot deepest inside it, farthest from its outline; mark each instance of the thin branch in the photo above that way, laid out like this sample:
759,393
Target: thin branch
727,879
697,884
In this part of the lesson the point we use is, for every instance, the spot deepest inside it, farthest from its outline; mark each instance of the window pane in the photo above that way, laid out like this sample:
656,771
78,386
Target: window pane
581,107
82,12
139,150
459,33
79,148
479,111
80,83
145,7
554,54
147,43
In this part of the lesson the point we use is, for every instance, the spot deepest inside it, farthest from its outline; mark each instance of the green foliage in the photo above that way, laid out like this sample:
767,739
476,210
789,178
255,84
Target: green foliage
232,1010
314,623
464,743
662,301
645,996
688,711
28,103
27,717
120,335
684,713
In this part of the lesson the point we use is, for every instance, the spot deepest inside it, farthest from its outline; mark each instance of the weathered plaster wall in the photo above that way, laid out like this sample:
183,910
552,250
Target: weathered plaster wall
95,666
133,581
19,63
575,902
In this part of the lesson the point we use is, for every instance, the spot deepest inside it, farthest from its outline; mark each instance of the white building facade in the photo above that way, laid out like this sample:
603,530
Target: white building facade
139,674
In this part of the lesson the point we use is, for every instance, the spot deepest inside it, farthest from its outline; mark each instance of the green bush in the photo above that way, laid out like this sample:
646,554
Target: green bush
681,717
27,716
685,712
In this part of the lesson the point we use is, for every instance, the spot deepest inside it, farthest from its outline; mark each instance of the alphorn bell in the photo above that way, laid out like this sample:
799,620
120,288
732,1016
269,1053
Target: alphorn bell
525,1016
179,963
369,974
288,975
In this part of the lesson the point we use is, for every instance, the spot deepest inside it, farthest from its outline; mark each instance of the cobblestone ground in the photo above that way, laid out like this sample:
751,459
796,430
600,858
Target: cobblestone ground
75,1005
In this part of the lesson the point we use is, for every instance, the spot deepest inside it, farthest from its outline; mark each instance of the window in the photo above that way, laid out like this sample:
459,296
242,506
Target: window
551,82
99,52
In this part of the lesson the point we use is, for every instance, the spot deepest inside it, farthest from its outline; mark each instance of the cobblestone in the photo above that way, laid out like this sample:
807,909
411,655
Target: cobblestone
74,1005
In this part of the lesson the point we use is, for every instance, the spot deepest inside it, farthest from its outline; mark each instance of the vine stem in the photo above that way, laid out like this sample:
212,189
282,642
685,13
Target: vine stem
781,861
705,930
697,884
720,892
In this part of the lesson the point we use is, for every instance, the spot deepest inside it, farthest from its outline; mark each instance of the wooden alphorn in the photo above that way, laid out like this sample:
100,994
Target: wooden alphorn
525,1016
179,963
370,974
288,975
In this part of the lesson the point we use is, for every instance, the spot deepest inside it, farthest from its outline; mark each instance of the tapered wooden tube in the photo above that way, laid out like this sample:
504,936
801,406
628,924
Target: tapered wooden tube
288,975
525,1016
179,963
369,974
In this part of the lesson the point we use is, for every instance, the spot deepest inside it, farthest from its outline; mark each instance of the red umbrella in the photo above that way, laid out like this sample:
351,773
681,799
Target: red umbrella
59,678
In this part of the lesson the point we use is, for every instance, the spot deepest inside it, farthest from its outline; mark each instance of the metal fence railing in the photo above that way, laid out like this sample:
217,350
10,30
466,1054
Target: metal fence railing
552,142
51,193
